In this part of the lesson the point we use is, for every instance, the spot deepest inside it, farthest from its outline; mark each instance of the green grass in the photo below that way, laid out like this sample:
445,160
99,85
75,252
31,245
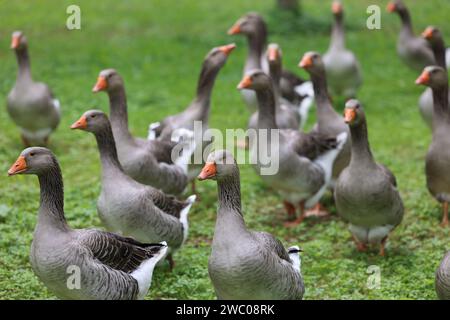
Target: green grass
158,47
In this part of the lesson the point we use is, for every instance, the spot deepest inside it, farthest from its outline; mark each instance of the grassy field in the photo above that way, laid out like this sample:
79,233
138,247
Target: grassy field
158,47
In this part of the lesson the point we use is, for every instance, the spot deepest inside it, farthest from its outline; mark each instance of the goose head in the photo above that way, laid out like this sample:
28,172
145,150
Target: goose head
274,55
353,113
312,62
34,160
220,165
434,77
432,34
108,80
92,121
217,57
252,24
337,8
396,6
255,80
18,40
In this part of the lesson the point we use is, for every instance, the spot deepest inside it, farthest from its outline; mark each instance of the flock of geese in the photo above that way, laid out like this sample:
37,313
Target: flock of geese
141,183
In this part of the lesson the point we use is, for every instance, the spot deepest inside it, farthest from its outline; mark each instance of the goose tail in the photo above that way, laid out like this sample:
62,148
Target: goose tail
144,273
152,130
184,215
294,255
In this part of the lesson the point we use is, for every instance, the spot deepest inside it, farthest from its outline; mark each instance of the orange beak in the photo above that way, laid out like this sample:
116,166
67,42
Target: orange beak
101,84
209,171
336,7
349,115
391,7
15,42
273,54
18,167
80,124
424,78
306,62
245,82
236,29
428,33
227,49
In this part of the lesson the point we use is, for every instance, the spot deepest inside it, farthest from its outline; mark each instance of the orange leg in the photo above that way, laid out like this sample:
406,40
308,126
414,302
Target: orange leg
290,209
444,222
361,247
171,262
317,211
300,218
382,245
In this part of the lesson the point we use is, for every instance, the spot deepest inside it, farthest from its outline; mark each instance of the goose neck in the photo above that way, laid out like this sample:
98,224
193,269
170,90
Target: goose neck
256,44
23,61
51,210
205,86
361,153
119,114
267,106
337,34
108,152
439,52
406,22
321,93
441,114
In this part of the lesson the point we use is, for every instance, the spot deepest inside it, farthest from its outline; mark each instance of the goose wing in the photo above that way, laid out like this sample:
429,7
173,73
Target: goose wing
273,244
166,203
117,252
311,145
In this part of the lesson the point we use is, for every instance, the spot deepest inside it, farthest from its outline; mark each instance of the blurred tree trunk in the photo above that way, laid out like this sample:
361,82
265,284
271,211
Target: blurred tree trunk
288,4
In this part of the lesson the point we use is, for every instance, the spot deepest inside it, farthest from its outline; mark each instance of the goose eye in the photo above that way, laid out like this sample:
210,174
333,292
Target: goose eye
32,154
93,116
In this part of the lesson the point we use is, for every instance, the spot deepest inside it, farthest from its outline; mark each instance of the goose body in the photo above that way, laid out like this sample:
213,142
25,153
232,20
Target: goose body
82,263
342,67
245,264
366,192
127,206
147,161
329,122
438,156
442,282
31,105
304,163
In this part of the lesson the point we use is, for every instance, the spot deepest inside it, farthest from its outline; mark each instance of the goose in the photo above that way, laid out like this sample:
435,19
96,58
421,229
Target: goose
287,114
438,156
329,122
300,165
31,105
414,51
128,207
253,26
147,161
198,109
109,266
442,282
366,192
342,67
245,264
434,36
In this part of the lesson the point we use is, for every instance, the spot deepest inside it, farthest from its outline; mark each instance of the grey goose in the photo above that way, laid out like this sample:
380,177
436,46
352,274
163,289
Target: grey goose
147,161
304,160
366,193
128,207
109,266
31,105
246,264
